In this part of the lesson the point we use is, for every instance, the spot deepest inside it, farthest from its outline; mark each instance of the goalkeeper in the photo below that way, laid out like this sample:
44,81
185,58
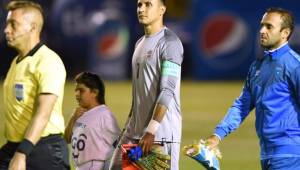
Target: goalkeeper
156,75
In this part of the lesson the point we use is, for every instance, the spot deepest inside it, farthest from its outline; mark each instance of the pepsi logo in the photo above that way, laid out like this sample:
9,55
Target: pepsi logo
112,43
224,40
107,43
222,33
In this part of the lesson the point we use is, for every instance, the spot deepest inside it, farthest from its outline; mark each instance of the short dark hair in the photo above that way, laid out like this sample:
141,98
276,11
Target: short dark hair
15,4
93,82
163,2
286,16
27,5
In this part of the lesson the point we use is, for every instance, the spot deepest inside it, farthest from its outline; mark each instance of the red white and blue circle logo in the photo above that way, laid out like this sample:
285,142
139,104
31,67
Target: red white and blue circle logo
224,40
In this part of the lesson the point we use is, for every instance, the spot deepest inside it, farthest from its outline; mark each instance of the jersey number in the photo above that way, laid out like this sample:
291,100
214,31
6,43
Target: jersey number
78,144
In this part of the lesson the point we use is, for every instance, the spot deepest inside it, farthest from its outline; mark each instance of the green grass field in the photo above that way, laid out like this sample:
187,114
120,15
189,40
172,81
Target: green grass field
203,106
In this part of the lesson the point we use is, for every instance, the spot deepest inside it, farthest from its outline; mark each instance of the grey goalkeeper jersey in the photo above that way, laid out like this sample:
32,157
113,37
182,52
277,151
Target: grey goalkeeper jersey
150,83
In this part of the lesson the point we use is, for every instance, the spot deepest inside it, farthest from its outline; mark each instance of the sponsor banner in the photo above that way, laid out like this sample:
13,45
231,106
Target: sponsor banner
225,36
108,50
93,36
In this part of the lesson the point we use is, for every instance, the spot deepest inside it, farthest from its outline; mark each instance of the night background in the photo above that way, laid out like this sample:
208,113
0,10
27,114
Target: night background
220,38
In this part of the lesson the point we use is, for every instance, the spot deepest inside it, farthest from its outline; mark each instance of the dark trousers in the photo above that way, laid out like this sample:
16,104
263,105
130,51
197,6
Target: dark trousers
50,153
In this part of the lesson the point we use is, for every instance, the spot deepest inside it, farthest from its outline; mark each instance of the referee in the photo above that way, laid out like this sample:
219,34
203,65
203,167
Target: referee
33,93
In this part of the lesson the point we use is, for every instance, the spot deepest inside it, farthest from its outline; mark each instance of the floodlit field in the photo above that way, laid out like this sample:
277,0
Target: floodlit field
203,106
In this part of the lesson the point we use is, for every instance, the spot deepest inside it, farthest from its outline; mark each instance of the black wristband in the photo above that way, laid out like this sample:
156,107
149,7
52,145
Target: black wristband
25,147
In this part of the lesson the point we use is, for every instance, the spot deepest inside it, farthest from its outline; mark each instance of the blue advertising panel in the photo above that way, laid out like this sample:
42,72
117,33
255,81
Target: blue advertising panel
2,18
108,50
225,36
93,35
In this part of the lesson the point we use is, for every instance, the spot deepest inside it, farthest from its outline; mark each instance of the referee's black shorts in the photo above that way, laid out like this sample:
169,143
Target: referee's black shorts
50,153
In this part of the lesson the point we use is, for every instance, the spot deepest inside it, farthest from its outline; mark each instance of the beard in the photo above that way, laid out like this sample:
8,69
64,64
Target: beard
267,45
